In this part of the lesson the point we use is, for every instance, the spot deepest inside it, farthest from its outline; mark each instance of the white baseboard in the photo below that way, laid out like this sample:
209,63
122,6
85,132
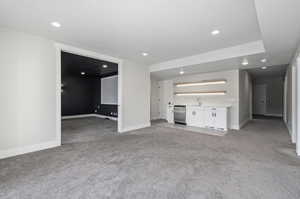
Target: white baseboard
77,116
235,127
88,115
104,116
131,128
293,137
243,123
156,118
274,115
28,149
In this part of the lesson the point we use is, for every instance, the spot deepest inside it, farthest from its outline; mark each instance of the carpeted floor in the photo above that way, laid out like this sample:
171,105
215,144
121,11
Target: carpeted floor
157,162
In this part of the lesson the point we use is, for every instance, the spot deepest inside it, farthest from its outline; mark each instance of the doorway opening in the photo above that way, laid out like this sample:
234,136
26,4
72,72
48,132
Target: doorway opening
88,95
268,92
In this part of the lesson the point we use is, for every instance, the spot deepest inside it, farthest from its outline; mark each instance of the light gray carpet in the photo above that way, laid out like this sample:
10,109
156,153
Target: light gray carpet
158,162
206,131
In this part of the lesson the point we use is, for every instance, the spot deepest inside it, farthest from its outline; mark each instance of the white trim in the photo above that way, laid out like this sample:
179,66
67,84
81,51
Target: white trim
88,115
294,104
58,95
298,105
131,128
76,116
156,118
109,77
28,149
235,127
71,49
273,115
105,117
246,121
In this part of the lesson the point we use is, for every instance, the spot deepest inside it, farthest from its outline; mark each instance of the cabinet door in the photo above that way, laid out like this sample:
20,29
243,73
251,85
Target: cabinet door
189,119
170,114
209,118
221,119
201,118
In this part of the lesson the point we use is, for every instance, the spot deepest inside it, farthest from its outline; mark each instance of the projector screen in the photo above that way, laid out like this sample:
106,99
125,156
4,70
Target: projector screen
109,90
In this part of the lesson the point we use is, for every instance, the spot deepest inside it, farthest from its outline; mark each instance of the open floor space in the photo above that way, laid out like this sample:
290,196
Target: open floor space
150,99
157,162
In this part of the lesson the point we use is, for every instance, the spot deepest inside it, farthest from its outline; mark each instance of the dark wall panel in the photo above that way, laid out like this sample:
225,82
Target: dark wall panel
77,95
82,93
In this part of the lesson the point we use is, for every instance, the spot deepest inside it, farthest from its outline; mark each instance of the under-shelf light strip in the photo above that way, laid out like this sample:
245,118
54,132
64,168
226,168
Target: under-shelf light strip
201,93
201,83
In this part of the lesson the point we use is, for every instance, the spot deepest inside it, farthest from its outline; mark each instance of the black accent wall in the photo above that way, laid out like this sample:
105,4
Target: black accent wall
81,94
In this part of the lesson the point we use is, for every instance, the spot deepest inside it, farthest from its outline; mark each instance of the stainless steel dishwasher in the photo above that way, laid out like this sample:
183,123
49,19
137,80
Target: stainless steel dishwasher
180,114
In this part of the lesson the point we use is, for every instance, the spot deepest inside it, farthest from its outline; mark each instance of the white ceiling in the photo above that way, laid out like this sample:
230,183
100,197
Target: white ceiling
280,28
167,29
270,71
227,64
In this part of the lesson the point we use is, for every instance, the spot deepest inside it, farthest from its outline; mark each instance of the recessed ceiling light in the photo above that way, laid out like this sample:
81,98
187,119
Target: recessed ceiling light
245,62
215,32
264,67
104,66
181,72
263,60
55,24
145,54
82,73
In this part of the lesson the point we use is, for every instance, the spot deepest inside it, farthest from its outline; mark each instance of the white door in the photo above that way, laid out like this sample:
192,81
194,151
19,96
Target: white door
259,99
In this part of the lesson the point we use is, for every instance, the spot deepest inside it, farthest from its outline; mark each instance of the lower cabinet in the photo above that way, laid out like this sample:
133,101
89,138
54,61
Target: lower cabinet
216,118
195,117
208,117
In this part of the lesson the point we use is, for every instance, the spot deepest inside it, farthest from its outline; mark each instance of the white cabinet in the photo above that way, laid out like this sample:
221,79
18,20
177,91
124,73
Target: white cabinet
195,116
205,117
170,114
216,118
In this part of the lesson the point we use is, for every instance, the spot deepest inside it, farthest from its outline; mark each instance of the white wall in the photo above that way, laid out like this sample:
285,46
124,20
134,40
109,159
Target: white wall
293,99
155,114
136,96
28,93
165,97
290,101
28,82
245,97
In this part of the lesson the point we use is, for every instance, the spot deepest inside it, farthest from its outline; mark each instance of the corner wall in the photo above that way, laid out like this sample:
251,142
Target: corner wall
136,96
245,98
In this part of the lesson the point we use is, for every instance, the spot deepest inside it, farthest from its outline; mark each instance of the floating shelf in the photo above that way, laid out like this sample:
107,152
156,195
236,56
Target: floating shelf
207,93
202,83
